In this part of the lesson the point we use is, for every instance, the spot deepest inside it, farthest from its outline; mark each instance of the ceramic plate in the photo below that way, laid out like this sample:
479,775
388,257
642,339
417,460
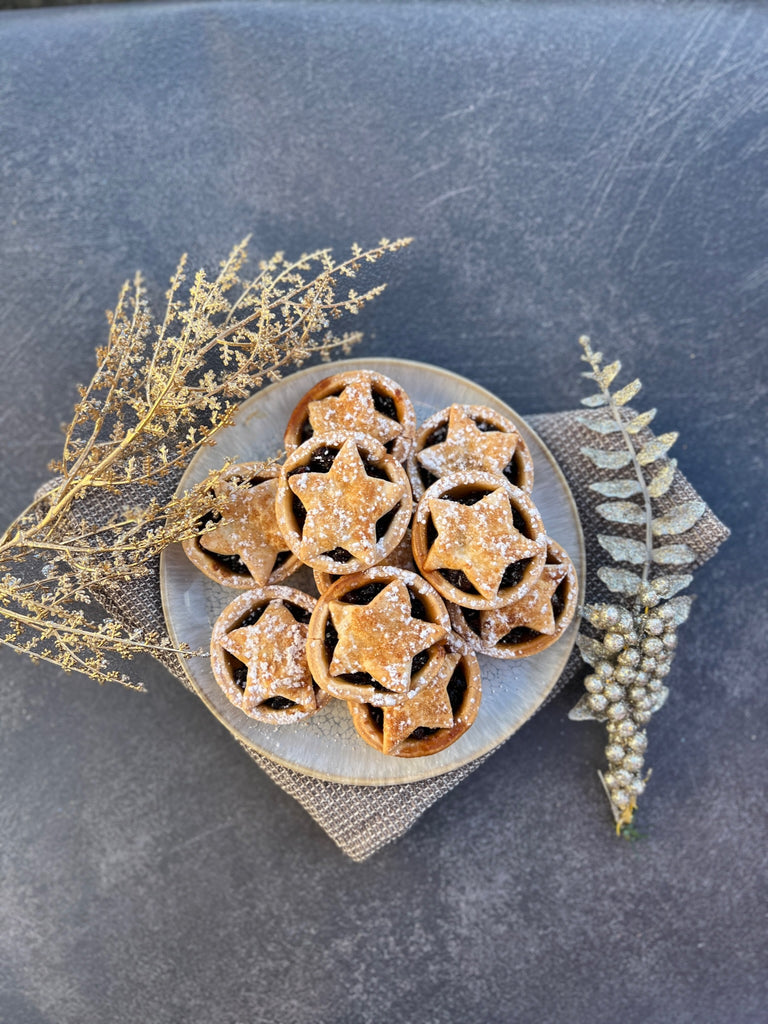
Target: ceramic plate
326,746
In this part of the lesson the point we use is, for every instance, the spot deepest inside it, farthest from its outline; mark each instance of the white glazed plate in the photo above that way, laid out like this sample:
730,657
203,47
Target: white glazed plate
326,746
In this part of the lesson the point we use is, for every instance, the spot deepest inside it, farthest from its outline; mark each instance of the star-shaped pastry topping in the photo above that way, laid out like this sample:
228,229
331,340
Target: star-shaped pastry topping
467,447
429,708
352,411
381,637
274,651
533,611
480,540
248,528
343,506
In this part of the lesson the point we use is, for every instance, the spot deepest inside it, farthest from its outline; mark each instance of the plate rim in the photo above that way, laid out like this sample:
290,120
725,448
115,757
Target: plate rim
340,366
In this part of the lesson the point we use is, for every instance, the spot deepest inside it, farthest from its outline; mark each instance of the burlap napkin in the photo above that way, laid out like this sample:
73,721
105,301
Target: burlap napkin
362,819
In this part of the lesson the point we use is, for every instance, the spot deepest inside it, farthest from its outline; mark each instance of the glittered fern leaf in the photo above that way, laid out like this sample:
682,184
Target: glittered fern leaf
656,448
639,422
674,554
607,460
623,549
623,488
678,608
594,401
663,587
600,424
627,393
606,376
659,484
620,581
680,519
622,512
591,650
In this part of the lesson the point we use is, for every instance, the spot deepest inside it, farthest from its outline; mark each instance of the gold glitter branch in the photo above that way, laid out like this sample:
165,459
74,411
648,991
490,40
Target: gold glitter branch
631,654
161,390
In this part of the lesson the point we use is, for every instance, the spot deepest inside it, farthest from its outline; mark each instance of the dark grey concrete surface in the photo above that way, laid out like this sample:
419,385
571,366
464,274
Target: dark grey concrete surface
564,169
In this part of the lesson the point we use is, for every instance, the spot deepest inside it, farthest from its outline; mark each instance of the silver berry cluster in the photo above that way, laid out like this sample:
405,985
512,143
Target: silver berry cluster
627,686
630,663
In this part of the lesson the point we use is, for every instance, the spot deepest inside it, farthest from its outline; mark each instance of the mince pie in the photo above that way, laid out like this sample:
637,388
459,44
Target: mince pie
240,544
258,655
478,540
432,719
343,504
377,636
530,624
356,402
469,437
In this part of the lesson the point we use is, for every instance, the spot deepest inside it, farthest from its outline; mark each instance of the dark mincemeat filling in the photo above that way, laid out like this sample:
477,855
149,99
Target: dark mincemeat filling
299,613
472,619
280,559
365,594
518,521
512,471
339,554
232,563
457,687
252,617
419,661
239,672
514,573
418,611
459,579
519,635
299,511
235,564
437,436
384,404
558,601
384,523
209,517
278,703
320,461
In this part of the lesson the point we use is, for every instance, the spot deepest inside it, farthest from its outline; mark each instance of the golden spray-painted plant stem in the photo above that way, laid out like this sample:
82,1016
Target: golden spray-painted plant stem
160,391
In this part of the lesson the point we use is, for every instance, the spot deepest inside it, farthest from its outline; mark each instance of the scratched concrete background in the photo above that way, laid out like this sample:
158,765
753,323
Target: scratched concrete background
564,168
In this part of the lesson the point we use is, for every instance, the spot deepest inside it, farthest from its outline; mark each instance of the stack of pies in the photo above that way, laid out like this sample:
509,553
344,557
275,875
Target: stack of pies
426,549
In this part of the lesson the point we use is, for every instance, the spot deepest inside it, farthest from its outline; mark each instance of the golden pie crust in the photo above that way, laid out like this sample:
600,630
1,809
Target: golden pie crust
377,636
430,721
258,655
245,547
358,401
467,544
463,438
531,624
343,504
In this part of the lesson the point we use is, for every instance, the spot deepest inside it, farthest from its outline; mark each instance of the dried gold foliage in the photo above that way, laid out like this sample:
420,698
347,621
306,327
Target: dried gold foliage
161,390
